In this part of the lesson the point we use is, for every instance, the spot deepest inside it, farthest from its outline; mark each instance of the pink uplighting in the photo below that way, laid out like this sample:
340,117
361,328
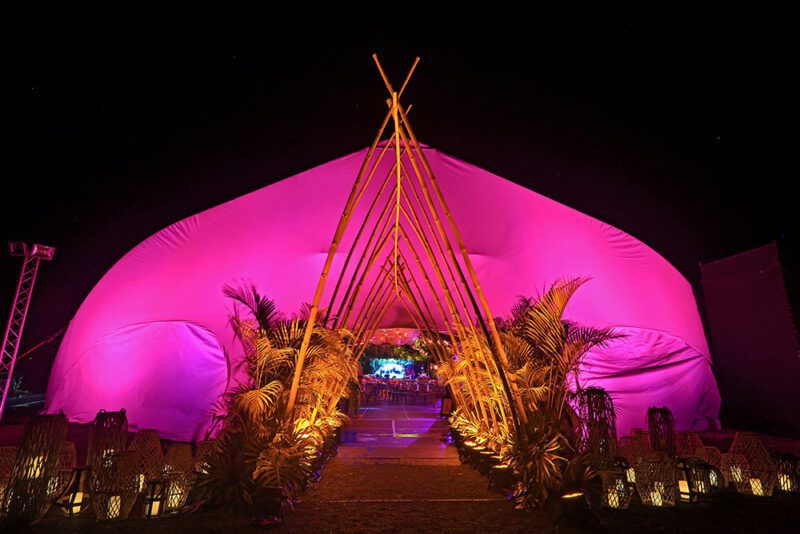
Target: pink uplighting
150,337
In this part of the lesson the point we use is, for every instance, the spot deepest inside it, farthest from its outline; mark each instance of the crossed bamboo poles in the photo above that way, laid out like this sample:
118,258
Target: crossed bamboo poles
408,205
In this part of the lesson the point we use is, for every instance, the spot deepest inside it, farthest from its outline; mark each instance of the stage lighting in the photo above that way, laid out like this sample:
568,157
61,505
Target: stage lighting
17,248
43,252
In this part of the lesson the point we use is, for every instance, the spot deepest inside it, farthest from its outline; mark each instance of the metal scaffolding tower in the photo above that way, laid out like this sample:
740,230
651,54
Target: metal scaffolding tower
32,255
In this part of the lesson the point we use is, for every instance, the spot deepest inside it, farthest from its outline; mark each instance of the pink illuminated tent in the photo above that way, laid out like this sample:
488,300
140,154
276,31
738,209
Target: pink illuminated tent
152,336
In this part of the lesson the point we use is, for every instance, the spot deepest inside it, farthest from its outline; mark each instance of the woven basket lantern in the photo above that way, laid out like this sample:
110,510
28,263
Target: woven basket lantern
661,428
687,443
616,489
148,455
114,486
761,477
787,468
108,435
655,480
178,458
204,451
26,496
8,455
597,430
66,472
694,479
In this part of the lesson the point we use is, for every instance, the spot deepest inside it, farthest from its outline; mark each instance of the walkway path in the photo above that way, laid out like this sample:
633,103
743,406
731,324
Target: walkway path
394,473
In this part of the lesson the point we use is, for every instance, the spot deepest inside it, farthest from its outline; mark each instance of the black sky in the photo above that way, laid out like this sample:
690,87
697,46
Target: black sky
676,124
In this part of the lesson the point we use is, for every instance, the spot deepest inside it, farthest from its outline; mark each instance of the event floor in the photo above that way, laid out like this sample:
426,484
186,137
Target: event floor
399,434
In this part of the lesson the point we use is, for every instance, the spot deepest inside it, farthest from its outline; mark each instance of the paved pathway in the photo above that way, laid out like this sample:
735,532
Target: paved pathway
395,473
397,434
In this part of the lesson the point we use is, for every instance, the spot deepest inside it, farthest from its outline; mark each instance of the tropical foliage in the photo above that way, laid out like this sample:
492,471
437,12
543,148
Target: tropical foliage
261,444
521,409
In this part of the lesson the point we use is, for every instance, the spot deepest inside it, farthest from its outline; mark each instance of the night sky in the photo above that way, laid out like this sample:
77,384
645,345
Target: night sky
677,125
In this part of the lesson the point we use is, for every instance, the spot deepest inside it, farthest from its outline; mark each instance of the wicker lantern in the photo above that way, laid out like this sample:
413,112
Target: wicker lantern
114,486
655,480
8,455
149,458
178,466
59,483
687,443
787,467
735,471
204,451
661,427
76,498
693,475
25,499
108,435
597,434
761,476
616,491
154,498
178,458
178,484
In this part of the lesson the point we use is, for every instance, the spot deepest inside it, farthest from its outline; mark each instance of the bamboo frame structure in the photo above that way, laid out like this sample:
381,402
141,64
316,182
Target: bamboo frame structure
406,217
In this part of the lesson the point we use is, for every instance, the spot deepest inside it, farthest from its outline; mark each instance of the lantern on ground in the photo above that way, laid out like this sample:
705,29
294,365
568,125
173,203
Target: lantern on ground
616,491
761,476
177,490
114,486
655,480
661,429
76,499
693,477
154,498
788,471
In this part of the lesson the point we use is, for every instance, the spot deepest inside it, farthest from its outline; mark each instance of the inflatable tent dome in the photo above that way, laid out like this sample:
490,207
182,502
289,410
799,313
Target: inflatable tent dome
153,337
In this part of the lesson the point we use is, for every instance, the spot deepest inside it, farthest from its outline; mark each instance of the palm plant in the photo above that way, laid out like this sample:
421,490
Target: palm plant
545,352
262,445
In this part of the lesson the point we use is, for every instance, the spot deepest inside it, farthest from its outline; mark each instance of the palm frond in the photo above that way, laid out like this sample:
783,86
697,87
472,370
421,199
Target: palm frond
262,308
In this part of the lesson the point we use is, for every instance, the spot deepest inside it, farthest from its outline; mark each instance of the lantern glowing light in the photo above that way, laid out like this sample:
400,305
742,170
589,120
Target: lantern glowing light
154,499
35,468
785,482
631,475
736,473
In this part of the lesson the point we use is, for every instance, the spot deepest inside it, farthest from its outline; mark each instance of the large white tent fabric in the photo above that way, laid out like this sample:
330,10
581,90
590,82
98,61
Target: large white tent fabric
152,335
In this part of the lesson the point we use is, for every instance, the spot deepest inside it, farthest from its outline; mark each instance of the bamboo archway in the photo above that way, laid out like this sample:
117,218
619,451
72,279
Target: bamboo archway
404,221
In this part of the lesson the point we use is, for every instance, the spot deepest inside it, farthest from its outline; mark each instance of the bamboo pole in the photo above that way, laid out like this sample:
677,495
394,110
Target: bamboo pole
373,295
432,231
475,409
369,326
474,384
379,246
360,230
384,218
337,237
510,387
398,165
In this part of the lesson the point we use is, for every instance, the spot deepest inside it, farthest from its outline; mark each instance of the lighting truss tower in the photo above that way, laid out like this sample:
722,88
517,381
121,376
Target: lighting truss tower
32,255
